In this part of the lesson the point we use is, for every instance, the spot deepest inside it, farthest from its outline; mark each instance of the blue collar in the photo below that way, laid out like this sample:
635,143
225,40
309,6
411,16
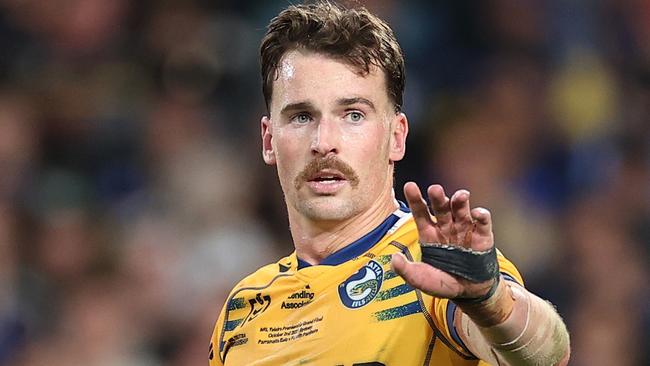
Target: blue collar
360,245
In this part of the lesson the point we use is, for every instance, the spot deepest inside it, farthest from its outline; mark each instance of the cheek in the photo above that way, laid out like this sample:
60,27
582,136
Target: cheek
372,155
287,154
372,144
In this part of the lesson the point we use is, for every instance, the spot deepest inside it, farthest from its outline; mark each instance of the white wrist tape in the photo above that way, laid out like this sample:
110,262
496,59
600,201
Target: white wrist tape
533,334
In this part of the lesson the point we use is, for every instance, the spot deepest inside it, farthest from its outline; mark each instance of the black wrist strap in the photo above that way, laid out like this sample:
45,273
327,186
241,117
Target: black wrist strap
471,300
474,266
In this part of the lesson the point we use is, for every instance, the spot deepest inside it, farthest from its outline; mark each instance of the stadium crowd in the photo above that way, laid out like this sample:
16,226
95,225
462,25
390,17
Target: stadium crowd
133,195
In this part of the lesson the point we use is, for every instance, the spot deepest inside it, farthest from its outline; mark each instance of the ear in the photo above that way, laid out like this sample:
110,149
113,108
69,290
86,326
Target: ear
400,128
266,129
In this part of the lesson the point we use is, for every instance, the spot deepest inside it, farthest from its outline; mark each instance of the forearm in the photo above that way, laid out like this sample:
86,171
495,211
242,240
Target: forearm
514,327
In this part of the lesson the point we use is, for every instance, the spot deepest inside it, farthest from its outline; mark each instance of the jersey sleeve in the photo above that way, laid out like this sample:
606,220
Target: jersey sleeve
214,358
444,309
234,312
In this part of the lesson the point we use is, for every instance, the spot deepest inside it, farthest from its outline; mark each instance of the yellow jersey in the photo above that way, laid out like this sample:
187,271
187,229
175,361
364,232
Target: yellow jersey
351,309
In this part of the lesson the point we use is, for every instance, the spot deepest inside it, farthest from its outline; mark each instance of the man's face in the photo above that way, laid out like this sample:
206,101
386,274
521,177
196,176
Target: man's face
333,135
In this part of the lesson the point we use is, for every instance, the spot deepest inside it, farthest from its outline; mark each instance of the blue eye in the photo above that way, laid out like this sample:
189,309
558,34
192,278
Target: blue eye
301,118
354,116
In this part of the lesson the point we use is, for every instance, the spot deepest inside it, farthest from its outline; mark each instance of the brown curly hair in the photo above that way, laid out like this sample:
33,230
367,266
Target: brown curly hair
353,35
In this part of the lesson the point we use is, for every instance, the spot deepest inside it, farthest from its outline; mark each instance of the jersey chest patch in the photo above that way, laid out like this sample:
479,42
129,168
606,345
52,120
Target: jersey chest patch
362,287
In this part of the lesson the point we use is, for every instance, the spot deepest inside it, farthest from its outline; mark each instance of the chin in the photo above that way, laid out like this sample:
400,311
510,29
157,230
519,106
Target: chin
327,208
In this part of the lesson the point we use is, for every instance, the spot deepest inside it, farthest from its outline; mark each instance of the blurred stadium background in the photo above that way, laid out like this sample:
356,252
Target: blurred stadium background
133,195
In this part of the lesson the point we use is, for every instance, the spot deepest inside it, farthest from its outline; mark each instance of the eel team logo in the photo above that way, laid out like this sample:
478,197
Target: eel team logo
360,288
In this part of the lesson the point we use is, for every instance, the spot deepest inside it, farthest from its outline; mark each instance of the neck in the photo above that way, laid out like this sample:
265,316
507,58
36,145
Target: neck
315,241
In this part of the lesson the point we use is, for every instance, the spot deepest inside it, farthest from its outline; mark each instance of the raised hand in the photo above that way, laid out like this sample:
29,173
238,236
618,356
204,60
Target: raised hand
455,224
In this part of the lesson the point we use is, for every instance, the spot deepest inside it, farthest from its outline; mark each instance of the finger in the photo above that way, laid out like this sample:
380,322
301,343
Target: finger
418,206
425,277
483,220
460,211
441,207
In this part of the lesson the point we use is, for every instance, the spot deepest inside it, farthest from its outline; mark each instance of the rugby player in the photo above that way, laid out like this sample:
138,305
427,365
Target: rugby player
372,281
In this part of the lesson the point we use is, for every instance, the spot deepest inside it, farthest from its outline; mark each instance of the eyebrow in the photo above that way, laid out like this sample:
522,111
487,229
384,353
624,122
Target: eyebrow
296,107
355,100
305,105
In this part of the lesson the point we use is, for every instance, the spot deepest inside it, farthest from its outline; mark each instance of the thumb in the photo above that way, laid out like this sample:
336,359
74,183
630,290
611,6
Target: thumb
425,277
404,267
398,263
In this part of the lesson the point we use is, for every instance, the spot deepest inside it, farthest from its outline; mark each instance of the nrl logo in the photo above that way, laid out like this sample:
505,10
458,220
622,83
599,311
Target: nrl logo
362,287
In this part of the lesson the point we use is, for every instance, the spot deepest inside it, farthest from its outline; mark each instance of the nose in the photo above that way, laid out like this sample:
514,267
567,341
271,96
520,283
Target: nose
326,138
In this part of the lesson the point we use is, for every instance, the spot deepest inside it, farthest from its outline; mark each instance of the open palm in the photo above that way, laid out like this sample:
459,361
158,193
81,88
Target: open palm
455,223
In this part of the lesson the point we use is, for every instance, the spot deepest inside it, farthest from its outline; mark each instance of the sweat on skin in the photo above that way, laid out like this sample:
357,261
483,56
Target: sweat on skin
323,108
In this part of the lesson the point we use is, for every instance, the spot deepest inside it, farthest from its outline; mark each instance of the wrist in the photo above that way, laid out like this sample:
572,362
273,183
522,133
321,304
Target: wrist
533,333
493,308
480,299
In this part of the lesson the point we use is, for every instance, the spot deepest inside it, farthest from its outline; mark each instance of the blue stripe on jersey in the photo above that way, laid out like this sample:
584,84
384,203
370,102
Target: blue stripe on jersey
361,245
390,274
238,303
232,324
510,278
451,311
403,207
394,292
398,311
383,259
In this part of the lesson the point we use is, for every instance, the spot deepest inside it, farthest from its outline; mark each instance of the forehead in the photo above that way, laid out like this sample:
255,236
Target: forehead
321,79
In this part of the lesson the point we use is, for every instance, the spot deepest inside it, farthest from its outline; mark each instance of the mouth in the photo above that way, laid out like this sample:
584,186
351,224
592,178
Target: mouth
327,176
326,182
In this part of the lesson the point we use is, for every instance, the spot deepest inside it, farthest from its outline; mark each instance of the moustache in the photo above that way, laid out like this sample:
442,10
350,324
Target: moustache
330,162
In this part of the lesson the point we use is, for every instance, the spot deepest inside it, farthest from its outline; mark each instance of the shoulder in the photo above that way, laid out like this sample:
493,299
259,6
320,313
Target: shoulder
262,278
265,274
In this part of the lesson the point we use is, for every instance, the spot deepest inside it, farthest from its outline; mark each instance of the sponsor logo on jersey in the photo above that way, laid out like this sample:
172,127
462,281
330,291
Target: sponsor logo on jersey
362,287
298,299
234,341
258,305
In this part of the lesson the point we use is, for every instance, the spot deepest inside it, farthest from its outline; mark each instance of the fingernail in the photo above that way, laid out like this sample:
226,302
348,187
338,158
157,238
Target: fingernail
396,259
